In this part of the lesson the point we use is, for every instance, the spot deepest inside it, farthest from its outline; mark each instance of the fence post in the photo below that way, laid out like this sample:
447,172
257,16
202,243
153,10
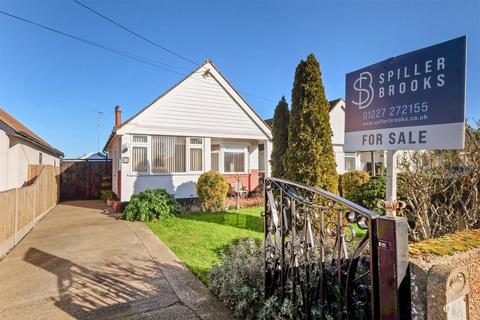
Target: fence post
34,203
390,268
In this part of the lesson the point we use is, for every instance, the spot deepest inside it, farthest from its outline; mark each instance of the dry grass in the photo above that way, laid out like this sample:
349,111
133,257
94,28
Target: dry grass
447,245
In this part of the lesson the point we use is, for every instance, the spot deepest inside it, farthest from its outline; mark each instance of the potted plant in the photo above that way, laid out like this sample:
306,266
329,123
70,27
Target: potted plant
108,196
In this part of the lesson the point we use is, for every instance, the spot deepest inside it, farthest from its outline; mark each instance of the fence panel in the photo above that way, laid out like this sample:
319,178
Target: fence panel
24,207
82,180
21,208
7,216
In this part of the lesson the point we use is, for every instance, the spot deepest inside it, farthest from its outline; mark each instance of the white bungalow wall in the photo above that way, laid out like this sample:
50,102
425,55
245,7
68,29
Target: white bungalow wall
337,123
181,185
15,156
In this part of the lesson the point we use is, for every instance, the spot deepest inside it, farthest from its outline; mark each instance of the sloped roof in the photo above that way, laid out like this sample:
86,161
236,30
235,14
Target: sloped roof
112,135
22,131
333,103
94,156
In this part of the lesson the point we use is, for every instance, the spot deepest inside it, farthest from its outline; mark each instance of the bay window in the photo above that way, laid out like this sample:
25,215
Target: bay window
166,154
151,154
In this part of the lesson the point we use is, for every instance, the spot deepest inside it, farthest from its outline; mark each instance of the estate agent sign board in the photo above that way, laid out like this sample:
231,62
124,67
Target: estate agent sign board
412,101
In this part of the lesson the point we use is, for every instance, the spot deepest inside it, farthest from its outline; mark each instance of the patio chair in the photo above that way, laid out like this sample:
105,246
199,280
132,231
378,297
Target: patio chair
237,188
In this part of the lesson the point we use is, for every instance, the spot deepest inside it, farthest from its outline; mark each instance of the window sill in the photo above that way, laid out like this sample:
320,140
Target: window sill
165,174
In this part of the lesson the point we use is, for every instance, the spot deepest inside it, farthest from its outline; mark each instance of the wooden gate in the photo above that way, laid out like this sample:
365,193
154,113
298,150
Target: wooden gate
83,179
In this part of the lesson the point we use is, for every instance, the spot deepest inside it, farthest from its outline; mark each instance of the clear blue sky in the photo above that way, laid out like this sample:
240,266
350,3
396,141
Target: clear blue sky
53,84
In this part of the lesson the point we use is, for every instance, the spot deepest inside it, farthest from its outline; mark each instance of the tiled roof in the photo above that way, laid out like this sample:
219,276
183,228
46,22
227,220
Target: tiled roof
26,133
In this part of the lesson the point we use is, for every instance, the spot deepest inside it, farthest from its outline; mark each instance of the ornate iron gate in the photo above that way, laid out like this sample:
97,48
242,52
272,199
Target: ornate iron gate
332,258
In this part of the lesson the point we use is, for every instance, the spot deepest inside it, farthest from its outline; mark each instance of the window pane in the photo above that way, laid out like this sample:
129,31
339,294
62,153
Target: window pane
180,154
196,140
234,162
142,139
168,154
261,158
215,147
196,159
349,163
215,161
139,159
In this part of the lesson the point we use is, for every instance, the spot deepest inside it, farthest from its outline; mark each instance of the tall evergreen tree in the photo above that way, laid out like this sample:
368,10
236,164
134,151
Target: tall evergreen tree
280,138
309,157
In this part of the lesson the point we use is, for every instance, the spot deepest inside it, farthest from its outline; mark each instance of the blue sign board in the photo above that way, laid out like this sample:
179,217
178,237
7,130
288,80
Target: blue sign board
412,101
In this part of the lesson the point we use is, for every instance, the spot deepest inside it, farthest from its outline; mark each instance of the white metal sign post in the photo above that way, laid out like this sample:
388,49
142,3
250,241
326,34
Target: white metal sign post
415,101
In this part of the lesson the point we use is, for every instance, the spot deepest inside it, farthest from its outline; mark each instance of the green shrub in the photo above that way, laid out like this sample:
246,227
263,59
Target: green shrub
151,204
107,195
212,188
352,181
374,190
240,282
370,193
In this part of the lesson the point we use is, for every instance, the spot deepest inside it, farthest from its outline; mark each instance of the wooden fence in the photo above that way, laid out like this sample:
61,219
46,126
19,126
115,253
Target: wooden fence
20,209
83,180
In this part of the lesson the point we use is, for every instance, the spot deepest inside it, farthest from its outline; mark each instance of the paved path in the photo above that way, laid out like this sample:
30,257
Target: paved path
80,263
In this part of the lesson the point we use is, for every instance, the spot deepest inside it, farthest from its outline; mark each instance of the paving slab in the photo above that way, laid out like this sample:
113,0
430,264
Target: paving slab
79,263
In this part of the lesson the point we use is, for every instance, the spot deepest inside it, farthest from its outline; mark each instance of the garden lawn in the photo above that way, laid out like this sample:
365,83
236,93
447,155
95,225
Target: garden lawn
198,238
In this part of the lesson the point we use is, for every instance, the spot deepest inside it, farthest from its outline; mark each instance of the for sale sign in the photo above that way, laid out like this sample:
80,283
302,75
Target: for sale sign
413,101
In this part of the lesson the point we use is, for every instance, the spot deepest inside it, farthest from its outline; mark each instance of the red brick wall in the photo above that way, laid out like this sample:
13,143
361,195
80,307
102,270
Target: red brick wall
249,180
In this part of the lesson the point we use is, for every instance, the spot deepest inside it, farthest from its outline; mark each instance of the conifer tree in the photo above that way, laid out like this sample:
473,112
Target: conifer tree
309,157
280,138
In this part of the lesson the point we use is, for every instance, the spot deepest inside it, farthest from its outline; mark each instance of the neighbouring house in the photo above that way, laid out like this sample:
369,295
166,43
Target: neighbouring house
200,124
19,148
94,156
346,161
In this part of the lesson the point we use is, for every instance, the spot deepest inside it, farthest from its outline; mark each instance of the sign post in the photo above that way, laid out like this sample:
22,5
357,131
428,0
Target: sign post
414,101
391,201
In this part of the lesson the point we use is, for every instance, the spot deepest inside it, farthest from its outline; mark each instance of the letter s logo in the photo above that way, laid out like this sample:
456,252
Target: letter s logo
363,85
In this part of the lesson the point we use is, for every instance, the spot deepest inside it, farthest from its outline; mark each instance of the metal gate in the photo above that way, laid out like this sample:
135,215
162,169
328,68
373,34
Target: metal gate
316,258
84,179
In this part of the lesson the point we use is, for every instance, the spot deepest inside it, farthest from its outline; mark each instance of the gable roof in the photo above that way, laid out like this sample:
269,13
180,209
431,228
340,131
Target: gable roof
20,130
333,104
226,86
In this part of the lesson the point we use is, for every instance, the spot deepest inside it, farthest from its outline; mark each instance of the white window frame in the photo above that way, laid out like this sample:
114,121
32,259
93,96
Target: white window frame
195,146
234,147
345,156
146,145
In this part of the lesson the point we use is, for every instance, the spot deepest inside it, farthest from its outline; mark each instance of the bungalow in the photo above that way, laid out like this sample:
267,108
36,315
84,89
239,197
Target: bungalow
19,148
200,124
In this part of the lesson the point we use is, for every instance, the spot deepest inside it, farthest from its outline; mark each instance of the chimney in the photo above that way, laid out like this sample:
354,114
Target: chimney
118,116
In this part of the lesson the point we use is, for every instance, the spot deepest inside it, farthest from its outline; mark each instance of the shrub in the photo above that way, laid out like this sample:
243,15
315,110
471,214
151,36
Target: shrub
370,193
352,181
151,204
240,281
107,195
212,188
443,188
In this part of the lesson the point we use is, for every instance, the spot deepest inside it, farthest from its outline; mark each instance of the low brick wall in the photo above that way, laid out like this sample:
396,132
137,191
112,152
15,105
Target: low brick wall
420,267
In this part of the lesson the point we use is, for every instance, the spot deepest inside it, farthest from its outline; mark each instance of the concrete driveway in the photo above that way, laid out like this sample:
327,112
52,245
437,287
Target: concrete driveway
79,263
